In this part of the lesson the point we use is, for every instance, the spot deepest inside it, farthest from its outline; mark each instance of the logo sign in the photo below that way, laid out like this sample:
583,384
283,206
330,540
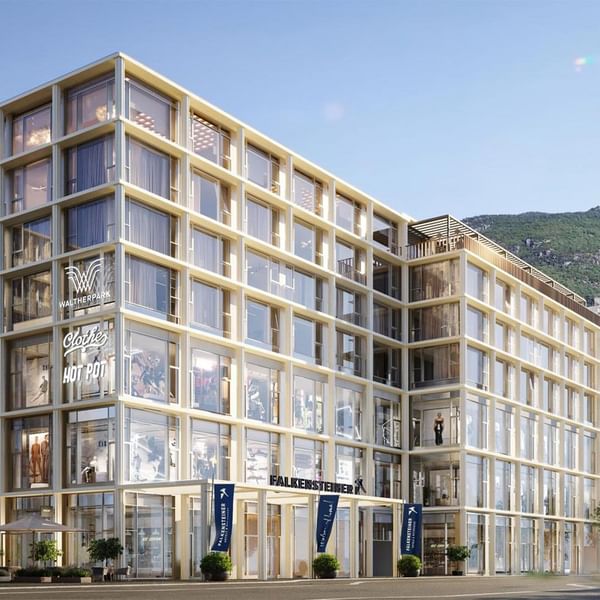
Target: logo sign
84,284
325,518
410,540
316,485
223,499
92,339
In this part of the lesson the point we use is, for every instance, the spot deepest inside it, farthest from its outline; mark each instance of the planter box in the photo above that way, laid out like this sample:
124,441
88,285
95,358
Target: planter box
71,580
33,580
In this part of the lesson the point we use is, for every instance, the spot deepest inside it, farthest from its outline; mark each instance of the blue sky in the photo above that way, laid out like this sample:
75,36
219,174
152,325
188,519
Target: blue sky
465,107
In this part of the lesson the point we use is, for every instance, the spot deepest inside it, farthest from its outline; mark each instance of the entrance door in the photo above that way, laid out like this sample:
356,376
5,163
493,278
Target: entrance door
382,543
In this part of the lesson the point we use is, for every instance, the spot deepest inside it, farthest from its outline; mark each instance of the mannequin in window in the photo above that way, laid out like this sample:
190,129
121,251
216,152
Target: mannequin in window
438,429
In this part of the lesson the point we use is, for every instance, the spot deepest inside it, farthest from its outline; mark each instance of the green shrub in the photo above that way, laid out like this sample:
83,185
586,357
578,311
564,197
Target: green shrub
216,565
76,572
409,565
325,566
45,551
458,553
34,572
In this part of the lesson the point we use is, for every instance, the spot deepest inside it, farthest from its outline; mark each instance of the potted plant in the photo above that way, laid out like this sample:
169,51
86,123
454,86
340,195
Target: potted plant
409,565
75,575
457,554
102,550
4,576
325,566
216,566
45,551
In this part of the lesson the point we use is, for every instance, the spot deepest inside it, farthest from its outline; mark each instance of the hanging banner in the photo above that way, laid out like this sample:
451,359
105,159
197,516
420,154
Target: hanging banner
223,498
410,541
325,519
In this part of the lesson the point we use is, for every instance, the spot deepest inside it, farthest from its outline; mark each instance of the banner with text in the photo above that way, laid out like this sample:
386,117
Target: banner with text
325,518
223,499
410,540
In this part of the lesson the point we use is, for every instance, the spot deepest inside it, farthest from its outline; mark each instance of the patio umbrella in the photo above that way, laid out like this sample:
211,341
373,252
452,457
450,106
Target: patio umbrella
33,524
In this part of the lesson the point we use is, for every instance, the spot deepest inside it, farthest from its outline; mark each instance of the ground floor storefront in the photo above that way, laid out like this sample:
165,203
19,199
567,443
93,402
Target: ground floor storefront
166,530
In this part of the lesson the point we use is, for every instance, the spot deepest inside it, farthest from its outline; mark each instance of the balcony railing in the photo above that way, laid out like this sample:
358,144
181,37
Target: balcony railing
346,268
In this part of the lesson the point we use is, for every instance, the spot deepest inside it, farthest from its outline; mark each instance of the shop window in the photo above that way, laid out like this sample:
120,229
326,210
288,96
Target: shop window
308,404
262,456
211,381
210,450
30,447
262,393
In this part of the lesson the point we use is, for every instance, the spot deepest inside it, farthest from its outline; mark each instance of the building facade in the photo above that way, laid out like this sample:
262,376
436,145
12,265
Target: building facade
186,301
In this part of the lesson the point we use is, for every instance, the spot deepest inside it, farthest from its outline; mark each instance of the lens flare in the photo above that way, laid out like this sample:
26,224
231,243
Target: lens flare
583,61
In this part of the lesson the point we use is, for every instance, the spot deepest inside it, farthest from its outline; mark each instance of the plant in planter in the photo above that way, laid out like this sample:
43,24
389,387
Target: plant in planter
33,575
216,566
409,565
457,554
75,575
325,566
102,550
45,551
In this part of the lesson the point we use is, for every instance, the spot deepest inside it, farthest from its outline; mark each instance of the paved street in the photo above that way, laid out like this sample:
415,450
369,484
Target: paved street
490,588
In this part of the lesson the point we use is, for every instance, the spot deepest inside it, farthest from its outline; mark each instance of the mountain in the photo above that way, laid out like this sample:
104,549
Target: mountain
565,246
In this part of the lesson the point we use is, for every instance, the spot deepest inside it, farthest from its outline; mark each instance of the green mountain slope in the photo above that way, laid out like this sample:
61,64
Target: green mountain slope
566,246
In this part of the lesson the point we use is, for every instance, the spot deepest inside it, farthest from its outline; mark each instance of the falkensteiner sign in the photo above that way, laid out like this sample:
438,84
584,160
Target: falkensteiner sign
316,485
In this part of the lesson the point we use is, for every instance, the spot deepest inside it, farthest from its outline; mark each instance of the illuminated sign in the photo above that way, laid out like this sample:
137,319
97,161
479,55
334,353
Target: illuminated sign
83,282
86,341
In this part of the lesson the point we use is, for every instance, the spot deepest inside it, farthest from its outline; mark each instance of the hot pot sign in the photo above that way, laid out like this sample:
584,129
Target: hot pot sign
92,339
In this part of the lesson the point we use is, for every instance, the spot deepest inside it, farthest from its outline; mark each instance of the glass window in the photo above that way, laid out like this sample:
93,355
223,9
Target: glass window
550,322
503,296
349,464
211,141
150,286
437,365
434,322
262,393
149,227
210,307
477,422
385,233
210,252
151,366
528,387
210,197
589,452
262,325
30,297
349,306
210,450
528,431
350,262
349,357
261,273
88,284
434,280
503,426
476,282
570,447
149,109
476,491
304,241
262,169
262,222
308,193
348,413
528,310
550,441
151,446
29,186
476,324
90,224
569,495
90,446
589,409
528,489
308,404
149,169
477,368
503,379
30,372
262,456
529,545
211,381
503,485
308,459
350,215
30,242
386,320
386,277
550,491
90,104
31,129
88,371
89,165
387,475
30,447
305,339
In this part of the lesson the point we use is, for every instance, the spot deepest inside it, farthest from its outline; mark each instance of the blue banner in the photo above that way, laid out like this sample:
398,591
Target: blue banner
325,518
223,499
410,540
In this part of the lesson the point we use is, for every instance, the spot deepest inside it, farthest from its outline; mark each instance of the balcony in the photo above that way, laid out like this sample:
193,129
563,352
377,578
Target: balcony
346,267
